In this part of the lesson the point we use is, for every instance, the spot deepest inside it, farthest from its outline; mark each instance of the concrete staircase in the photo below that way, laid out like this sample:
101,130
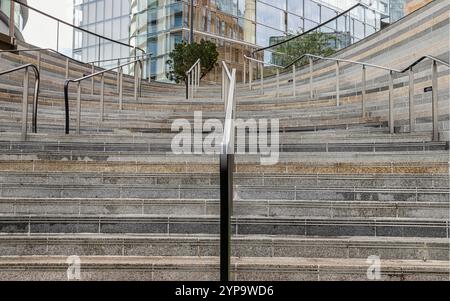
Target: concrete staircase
343,189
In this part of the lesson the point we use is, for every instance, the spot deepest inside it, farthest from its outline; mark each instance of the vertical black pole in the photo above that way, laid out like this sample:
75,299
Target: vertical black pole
226,200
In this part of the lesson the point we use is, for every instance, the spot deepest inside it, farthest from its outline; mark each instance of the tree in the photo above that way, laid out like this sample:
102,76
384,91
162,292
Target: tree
184,56
317,43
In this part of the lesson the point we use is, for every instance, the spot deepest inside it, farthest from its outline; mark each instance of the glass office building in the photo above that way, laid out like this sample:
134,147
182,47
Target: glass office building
236,26
396,9
108,18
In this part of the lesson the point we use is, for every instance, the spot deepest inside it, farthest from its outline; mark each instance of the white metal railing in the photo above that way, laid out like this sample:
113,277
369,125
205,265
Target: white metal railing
364,65
229,97
261,78
138,63
227,169
193,79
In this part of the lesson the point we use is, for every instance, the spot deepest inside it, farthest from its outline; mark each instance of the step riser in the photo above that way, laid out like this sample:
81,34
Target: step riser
166,148
241,248
210,273
170,226
382,181
260,209
262,193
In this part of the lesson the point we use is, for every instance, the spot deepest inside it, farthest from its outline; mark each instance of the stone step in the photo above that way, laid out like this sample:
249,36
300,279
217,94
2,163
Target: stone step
356,134
122,224
425,249
207,268
252,192
351,164
240,179
94,152
242,208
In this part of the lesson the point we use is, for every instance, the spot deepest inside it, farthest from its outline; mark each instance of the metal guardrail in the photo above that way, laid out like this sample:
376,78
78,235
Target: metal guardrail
193,79
25,97
137,89
120,59
364,65
146,56
226,170
68,59
39,56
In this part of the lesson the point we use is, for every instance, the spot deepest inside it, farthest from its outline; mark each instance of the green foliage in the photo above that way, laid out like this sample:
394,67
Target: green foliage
184,55
318,43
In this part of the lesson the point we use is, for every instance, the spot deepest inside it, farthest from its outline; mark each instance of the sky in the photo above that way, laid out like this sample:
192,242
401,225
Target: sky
42,31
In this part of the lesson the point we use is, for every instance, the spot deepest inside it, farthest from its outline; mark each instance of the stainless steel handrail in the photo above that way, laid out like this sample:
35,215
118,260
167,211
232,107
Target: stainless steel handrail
226,171
230,108
137,87
261,64
193,79
119,59
39,51
146,56
364,65
25,97
318,57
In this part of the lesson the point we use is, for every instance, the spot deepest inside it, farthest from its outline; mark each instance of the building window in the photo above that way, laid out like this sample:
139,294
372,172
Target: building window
270,16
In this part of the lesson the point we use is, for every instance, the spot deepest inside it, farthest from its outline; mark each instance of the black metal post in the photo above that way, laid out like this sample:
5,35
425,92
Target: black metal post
226,208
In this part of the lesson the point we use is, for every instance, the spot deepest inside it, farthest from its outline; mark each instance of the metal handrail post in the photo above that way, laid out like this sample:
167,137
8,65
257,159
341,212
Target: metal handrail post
245,71
39,58
262,79
412,117
338,88
67,68
391,102
311,68
189,86
136,75
121,89
250,76
294,88
150,69
92,80
25,105
142,66
78,108
102,97
435,93
57,36
199,75
278,82
118,76
363,91
192,83
226,174
25,95
194,80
